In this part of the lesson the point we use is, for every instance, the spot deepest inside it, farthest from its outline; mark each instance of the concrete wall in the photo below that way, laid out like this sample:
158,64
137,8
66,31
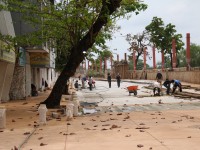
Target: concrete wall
192,76
6,74
2,77
185,76
47,74
8,80
35,77
6,71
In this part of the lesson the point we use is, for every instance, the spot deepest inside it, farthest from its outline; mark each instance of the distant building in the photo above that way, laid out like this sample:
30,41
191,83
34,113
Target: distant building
36,64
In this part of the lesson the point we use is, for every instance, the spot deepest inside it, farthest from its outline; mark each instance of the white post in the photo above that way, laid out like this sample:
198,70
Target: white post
69,110
42,113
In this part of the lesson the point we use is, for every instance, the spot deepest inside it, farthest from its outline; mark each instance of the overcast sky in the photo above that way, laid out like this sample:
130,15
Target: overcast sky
184,14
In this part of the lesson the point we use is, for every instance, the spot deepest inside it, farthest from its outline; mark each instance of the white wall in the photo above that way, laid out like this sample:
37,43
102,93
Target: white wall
2,77
6,72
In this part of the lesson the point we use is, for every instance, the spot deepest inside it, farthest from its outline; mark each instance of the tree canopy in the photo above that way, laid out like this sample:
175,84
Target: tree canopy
158,35
161,36
138,43
71,26
66,22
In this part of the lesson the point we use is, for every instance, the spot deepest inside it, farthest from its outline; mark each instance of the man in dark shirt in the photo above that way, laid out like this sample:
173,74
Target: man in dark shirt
90,83
159,77
76,85
167,85
109,80
118,80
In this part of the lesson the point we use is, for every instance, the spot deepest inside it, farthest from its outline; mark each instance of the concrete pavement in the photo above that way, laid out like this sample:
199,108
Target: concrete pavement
118,97
121,122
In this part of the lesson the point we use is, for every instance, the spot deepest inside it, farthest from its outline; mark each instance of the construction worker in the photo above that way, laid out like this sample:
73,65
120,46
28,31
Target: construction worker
167,84
176,83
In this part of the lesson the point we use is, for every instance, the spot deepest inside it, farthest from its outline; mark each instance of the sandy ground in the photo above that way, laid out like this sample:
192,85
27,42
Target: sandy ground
147,130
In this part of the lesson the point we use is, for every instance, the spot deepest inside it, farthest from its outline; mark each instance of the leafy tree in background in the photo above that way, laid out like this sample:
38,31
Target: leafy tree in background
140,63
181,57
71,27
167,63
105,54
138,43
195,56
161,36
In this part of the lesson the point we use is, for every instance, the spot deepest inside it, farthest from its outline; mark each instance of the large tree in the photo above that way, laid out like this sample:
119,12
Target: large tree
138,43
161,36
140,63
71,26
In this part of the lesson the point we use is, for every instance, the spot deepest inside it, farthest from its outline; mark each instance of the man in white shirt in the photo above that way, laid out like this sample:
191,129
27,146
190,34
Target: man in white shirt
156,88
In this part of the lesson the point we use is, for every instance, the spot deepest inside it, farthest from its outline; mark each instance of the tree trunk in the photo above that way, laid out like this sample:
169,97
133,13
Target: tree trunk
66,90
77,56
171,63
137,58
17,89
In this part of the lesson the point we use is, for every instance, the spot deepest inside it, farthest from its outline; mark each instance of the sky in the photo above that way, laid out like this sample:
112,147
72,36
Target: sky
184,14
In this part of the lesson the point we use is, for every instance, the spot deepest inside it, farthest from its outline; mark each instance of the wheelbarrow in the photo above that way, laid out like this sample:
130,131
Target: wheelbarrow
132,89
